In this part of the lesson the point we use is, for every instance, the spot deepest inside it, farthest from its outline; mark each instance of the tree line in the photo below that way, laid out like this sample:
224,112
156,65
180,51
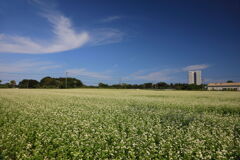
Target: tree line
49,82
46,82
159,85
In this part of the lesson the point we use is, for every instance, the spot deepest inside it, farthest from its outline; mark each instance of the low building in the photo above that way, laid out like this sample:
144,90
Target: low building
224,86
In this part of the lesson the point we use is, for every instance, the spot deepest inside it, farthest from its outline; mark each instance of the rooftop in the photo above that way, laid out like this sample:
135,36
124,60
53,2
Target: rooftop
224,84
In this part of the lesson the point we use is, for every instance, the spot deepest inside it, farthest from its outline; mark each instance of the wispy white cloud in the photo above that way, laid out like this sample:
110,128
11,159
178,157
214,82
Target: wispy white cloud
111,18
27,65
196,67
27,68
86,73
164,74
65,36
105,36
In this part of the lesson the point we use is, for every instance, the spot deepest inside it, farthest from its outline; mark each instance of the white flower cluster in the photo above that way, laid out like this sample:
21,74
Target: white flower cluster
119,124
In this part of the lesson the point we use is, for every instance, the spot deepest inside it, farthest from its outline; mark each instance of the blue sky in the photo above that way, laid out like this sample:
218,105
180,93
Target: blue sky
107,41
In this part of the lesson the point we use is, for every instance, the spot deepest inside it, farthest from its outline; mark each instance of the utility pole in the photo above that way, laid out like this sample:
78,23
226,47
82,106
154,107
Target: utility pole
66,80
27,83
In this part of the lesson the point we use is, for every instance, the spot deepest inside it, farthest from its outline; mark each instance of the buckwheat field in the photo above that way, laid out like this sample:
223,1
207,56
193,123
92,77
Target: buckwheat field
119,124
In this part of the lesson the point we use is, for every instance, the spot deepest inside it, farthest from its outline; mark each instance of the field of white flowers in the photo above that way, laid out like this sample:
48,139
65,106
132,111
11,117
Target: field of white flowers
119,124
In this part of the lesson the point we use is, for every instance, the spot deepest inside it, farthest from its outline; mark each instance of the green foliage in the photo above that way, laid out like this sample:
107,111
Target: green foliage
160,85
102,85
48,82
147,85
28,83
71,82
12,84
6,85
119,124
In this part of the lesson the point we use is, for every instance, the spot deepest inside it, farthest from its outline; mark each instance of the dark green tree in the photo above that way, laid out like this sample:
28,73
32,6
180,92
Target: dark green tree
147,85
71,82
12,84
48,82
28,83
161,85
102,85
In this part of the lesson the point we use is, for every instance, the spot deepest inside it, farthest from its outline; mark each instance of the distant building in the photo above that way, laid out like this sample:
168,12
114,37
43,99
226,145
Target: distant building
195,77
224,86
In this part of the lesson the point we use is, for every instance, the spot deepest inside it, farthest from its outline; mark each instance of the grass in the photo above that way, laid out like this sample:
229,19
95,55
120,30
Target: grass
119,124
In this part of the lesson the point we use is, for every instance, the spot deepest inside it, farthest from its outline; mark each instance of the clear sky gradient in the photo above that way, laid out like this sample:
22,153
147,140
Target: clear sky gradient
131,41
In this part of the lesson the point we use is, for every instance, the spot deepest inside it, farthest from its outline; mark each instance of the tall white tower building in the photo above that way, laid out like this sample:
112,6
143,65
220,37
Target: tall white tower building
195,77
